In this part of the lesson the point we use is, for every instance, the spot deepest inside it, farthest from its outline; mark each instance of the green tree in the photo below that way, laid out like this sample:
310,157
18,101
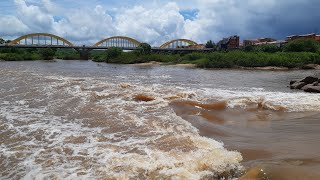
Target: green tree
113,52
46,53
2,41
302,45
210,44
143,48
270,48
248,48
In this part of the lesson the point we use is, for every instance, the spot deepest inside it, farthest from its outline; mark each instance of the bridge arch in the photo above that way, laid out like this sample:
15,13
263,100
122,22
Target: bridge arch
118,41
41,39
178,43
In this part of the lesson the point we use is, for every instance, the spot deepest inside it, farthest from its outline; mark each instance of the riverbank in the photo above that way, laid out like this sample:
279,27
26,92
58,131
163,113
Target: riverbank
25,54
234,59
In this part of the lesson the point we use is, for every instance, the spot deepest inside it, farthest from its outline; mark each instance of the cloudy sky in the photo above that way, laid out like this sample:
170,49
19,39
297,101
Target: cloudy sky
157,21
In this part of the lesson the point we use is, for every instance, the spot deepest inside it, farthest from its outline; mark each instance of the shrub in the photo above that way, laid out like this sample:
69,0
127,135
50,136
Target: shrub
46,53
270,48
143,49
112,52
11,57
210,44
67,54
302,45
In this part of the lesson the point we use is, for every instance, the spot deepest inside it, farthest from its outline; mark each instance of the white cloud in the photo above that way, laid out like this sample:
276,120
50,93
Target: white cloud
85,22
155,25
34,17
10,26
85,25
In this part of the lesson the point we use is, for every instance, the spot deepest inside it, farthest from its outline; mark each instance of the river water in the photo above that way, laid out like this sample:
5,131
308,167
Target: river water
86,120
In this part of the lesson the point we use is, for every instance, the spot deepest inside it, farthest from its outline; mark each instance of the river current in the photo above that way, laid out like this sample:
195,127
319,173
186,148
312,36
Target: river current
86,120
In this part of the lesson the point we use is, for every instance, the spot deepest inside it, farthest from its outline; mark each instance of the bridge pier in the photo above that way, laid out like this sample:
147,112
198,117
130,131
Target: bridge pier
84,52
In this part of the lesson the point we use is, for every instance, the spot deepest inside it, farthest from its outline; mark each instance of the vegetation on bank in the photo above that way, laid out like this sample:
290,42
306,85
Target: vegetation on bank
30,54
15,54
293,55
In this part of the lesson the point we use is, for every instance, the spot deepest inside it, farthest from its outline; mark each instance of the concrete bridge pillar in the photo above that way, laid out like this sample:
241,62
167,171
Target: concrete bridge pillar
84,52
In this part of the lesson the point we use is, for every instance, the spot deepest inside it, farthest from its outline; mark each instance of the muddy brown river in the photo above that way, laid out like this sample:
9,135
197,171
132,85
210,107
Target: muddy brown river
86,120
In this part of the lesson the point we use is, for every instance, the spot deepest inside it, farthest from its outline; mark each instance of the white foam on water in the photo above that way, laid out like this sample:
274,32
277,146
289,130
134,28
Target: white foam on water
294,102
120,137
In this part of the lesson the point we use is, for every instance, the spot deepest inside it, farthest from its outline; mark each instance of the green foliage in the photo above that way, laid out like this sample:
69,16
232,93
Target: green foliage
210,44
270,48
67,54
106,56
143,49
248,48
194,56
225,59
302,45
133,57
18,54
258,59
46,53
112,53
2,41
11,57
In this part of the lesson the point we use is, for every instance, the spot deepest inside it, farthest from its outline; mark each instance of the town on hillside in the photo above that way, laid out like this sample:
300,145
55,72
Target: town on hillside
233,42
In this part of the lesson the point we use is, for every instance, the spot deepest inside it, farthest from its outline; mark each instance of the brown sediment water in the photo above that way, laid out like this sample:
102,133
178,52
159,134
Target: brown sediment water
78,120
142,97
267,138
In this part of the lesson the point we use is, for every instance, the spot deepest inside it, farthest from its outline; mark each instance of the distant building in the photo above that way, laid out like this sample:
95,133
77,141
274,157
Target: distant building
257,41
278,43
309,36
232,42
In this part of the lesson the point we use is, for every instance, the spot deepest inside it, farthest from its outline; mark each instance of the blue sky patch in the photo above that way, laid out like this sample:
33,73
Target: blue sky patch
190,14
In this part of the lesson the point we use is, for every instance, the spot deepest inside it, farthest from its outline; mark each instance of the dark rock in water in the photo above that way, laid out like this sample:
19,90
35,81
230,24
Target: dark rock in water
314,89
306,87
316,83
292,82
308,84
309,80
298,85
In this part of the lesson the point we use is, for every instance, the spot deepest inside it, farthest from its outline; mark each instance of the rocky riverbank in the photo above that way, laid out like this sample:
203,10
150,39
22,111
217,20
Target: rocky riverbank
308,84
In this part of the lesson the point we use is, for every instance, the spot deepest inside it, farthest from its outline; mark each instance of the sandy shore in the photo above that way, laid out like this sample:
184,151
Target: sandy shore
154,63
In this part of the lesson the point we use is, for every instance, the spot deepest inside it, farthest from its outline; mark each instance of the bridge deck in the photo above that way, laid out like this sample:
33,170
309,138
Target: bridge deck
101,47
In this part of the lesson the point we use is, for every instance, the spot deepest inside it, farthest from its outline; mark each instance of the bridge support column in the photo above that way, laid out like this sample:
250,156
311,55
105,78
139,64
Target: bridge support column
84,52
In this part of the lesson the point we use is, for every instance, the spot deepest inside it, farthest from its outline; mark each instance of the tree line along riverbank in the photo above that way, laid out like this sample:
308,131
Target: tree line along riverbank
296,54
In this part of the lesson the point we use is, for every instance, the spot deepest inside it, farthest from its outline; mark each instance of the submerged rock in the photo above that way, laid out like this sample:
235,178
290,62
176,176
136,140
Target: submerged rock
298,85
313,89
292,82
308,84
310,79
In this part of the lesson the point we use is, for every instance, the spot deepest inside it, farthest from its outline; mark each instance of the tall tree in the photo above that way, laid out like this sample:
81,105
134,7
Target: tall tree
210,44
143,48
2,41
